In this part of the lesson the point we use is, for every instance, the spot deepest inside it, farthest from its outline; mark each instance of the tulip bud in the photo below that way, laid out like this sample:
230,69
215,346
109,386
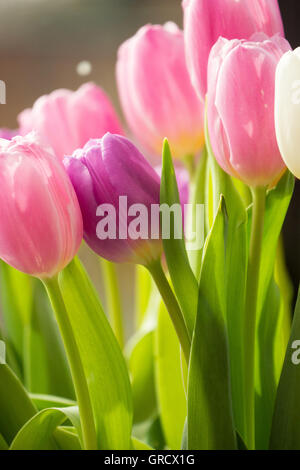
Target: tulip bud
157,97
206,20
113,183
240,108
7,134
40,219
287,109
65,120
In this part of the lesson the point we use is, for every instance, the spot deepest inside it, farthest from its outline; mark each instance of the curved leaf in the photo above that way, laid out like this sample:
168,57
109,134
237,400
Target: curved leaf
169,379
285,434
102,359
37,433
210,415
15,405
182,276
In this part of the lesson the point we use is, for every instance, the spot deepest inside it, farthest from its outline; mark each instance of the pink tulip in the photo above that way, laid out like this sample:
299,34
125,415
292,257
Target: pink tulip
156,93
206,20
66,120
40,218
240,108
7,133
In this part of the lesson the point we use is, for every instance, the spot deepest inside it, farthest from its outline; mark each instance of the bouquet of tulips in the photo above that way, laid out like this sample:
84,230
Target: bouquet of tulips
214,360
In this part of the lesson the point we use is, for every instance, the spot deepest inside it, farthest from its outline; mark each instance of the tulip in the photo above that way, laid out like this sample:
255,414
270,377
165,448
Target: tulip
287,109
40,219
102,172
240,108
66,120
7,134
157,97
206,20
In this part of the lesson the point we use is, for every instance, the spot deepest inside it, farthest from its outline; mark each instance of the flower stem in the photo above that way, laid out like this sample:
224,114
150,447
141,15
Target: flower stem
113,299
81,389
172,306
259,201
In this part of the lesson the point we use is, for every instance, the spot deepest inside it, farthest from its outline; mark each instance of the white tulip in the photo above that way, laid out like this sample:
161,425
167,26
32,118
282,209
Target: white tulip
287,109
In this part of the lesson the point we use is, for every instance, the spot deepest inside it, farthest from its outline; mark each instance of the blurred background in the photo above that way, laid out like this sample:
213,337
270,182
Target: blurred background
42,42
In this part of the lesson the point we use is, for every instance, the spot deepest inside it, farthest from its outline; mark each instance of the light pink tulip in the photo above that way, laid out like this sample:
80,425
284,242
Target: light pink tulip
240,107
206,20
156,93
66,120
40,218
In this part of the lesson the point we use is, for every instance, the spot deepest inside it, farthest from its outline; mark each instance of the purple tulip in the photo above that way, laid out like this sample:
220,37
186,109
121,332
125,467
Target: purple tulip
102,172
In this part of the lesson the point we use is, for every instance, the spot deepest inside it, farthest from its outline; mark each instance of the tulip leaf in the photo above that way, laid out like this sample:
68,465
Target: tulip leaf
266,384
102,359
3,444
285,434
50,401
141,367
169,375
197,196
210,415
16,408
278,200
144,285
139,445
37,433
45,365
235,278
32,332
66,439
16,302
140,353
182,276
277,204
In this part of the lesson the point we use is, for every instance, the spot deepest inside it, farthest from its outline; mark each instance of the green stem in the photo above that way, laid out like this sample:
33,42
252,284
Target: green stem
82,393
259,201
172,306
113,299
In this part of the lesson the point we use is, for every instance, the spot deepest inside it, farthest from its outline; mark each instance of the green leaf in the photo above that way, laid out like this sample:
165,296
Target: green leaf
197,196
143,287
278,200
50,401
139,445
182,276
285,434
102,359
277,204
155,436
141,367
3,444
266,384
33,334
169,379
45,365
37,433
66,439
210,416
16,302
140,354
15,405
286,288
235,278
